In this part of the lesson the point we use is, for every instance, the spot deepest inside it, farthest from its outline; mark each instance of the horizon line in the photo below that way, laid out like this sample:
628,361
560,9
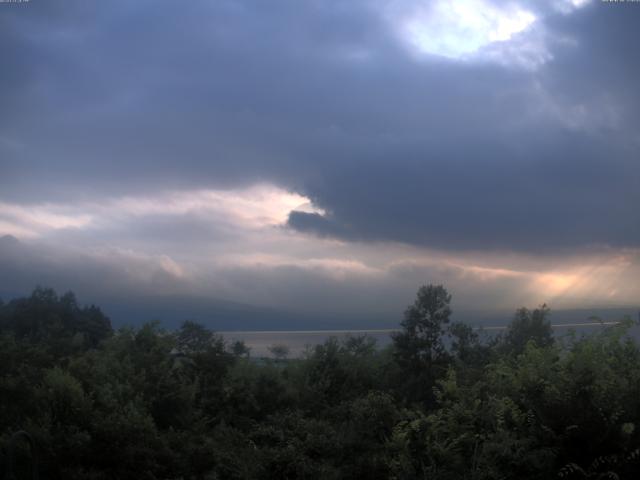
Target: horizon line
391,330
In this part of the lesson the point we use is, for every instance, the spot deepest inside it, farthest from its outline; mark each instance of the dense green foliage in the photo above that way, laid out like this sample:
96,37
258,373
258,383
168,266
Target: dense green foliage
440,402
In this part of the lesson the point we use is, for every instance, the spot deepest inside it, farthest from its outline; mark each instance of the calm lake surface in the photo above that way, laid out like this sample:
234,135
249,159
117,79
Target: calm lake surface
298,341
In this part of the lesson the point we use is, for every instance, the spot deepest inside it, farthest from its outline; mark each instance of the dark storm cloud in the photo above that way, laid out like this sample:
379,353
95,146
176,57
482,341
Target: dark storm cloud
108,98
572,192
157,94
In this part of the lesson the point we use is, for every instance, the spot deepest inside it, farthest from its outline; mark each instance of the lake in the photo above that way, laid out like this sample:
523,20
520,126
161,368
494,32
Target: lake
298,340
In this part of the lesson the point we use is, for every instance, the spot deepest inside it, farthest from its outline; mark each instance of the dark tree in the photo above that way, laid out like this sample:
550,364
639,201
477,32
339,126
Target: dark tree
464,340
419,348
193,338
529,325
280,351
58,320
240,349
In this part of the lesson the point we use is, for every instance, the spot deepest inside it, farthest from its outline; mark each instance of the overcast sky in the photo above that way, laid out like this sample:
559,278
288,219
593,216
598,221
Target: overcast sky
321,157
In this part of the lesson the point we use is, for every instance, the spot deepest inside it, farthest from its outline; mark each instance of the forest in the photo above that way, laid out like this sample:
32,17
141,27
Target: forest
442,401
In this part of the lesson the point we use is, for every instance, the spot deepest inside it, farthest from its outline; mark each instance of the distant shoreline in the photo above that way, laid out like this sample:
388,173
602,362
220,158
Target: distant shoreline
391,330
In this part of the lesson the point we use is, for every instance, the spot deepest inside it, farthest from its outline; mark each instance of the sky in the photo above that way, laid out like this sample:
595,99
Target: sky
243,161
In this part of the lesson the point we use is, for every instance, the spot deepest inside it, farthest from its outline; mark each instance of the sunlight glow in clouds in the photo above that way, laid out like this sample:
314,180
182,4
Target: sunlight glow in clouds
254,207
27,221
592,280
567,6
457,28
